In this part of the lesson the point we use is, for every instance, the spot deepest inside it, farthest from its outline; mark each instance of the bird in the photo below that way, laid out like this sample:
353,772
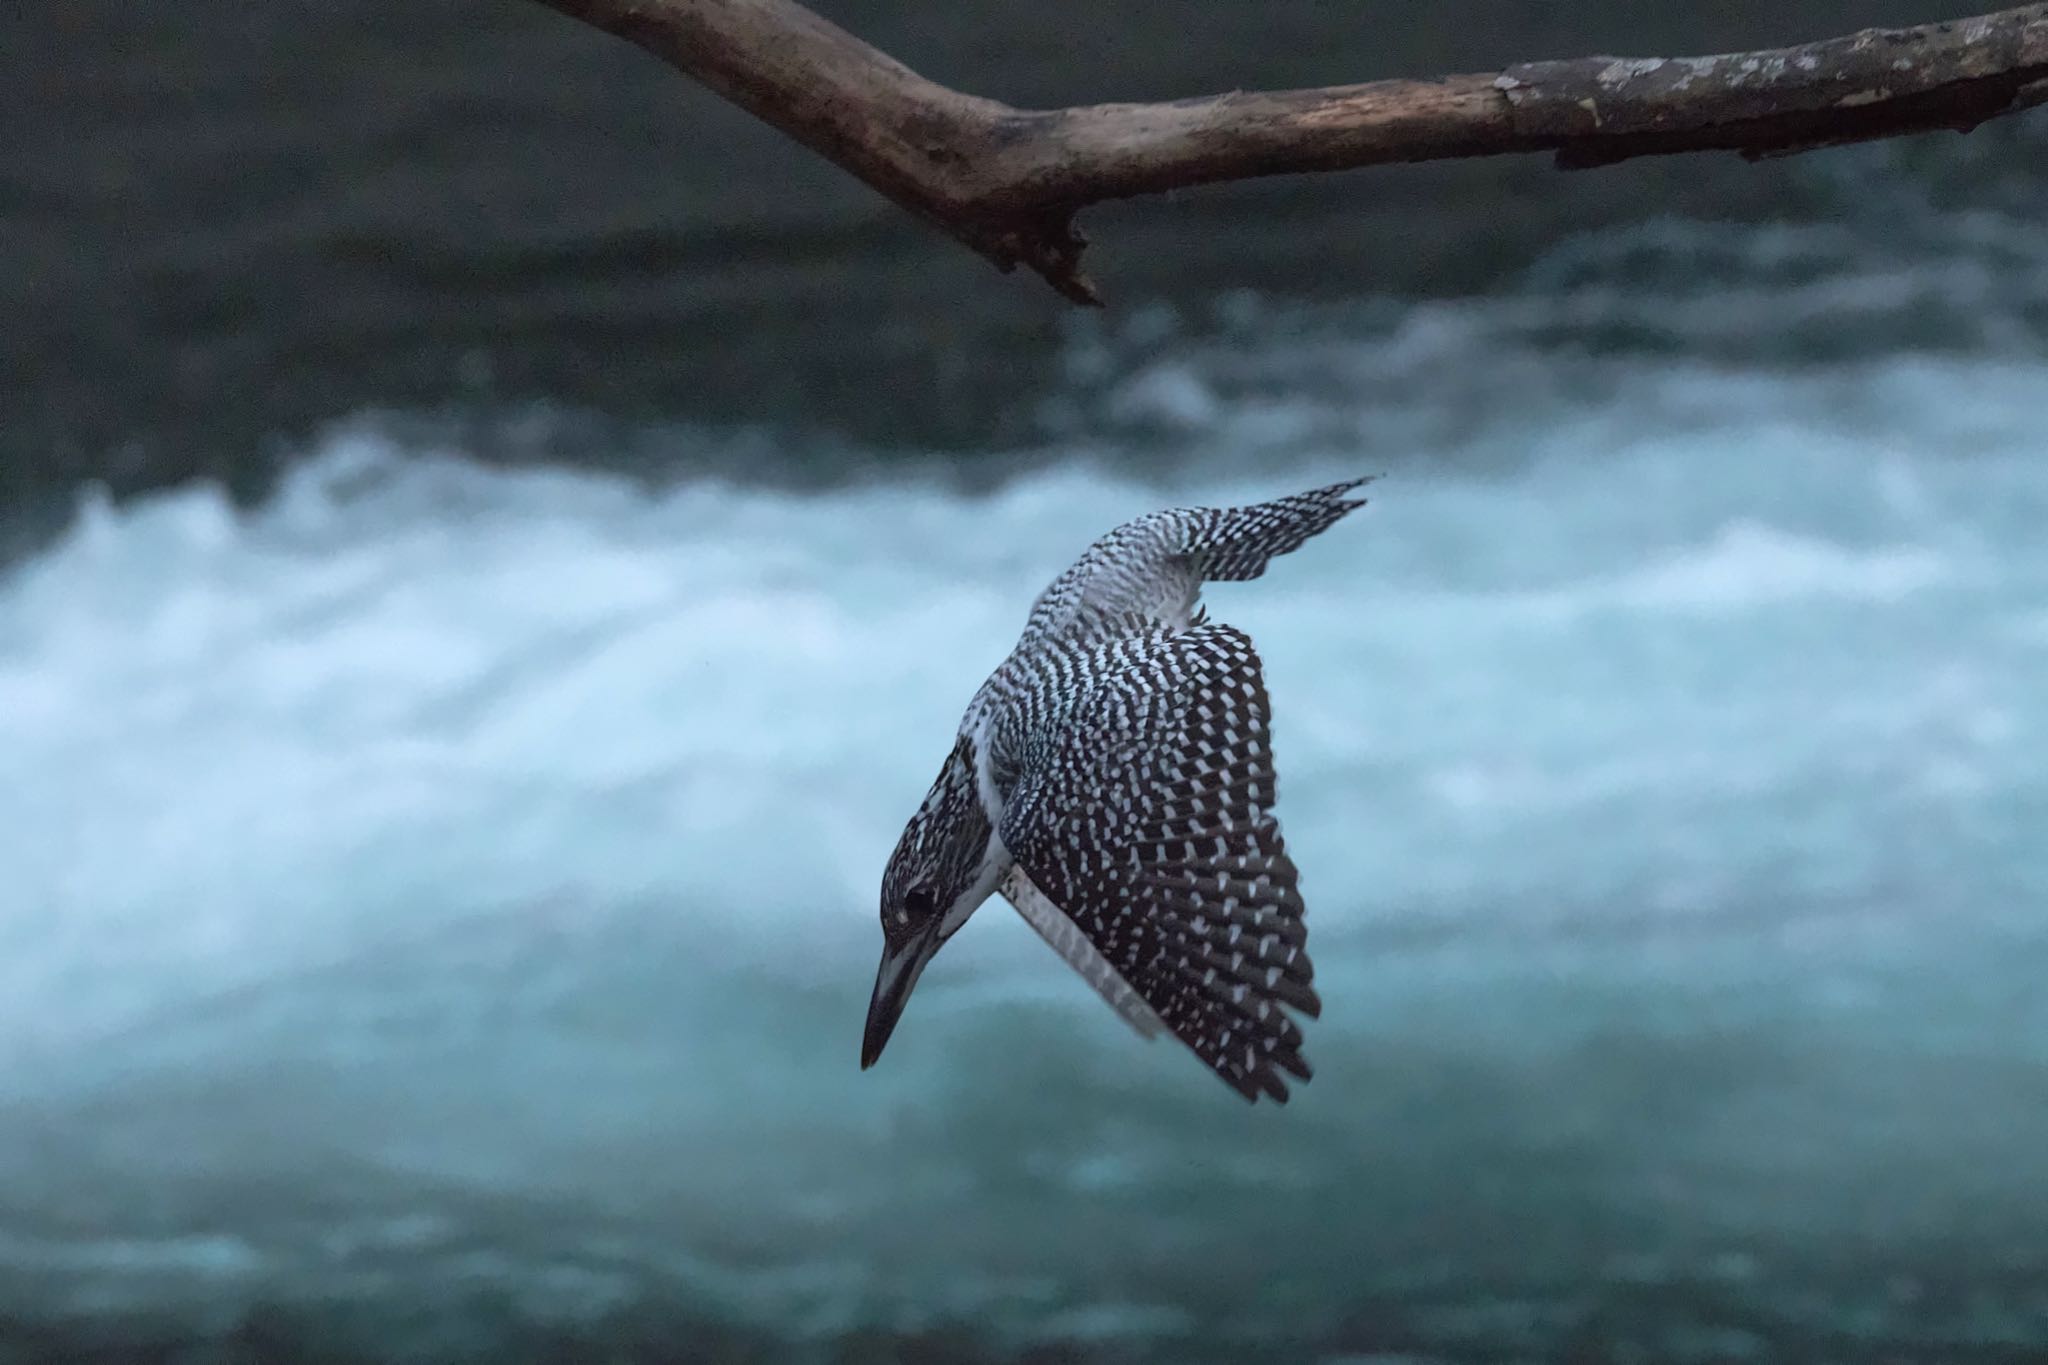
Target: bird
1113,780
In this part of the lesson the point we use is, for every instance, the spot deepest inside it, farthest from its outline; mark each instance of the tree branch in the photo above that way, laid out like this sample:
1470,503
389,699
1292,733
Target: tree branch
1007,182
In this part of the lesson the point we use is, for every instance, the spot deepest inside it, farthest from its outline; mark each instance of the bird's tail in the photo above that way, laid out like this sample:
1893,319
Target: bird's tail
1236,543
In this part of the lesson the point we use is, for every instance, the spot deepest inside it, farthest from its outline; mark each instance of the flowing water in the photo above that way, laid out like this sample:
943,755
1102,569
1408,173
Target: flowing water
442,909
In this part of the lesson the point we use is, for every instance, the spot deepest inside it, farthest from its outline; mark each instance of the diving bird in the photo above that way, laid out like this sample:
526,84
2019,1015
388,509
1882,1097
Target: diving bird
1113,778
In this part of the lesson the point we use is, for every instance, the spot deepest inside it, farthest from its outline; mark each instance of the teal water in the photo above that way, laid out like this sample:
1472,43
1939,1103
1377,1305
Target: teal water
440,904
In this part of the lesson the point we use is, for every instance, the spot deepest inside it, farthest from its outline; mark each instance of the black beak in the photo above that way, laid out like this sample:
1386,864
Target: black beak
902,963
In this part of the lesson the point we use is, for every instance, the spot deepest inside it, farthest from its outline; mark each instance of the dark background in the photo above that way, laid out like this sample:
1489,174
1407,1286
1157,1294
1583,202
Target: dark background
224,224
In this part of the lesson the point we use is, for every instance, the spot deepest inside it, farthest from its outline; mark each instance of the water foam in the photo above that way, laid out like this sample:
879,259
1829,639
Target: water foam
488,858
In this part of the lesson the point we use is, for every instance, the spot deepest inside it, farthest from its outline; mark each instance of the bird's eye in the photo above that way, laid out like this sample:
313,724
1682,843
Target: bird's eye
918,901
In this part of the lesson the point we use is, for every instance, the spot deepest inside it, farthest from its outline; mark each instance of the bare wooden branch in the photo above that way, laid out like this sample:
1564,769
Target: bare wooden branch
1008,181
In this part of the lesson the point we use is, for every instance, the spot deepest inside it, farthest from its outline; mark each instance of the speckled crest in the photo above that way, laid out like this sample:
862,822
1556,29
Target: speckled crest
1123,755
940,846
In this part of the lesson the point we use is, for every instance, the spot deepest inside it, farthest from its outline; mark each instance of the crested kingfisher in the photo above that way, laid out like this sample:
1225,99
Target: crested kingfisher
1113,779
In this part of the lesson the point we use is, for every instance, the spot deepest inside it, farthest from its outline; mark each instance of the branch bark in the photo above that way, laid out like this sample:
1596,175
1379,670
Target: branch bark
1007,182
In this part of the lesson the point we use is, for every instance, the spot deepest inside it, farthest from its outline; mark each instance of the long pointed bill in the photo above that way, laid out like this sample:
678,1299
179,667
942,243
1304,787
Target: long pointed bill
901,966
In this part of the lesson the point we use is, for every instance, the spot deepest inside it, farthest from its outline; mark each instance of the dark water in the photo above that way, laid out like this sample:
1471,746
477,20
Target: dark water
223,225
499,543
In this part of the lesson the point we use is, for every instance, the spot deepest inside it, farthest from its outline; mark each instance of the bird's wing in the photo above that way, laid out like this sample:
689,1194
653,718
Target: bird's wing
1144,815
1152,569
1071,943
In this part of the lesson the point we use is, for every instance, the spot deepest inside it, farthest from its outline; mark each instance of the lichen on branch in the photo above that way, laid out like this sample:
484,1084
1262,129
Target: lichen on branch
1007,182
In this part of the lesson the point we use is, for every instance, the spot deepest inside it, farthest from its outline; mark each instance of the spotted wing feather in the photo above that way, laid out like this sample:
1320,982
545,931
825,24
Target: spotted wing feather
1145,815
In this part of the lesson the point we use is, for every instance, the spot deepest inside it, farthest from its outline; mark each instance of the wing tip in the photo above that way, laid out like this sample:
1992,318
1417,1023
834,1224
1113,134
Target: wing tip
1257,1085
1265,1080
1267,1083
1334,493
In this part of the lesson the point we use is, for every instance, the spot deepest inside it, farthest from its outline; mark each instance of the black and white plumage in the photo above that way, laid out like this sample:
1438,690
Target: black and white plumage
1114,780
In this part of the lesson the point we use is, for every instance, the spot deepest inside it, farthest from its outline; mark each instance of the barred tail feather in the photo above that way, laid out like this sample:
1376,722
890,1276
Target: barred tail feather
1237,543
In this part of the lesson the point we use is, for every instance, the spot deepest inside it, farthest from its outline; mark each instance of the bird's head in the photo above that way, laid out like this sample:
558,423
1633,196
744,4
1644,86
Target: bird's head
940,872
